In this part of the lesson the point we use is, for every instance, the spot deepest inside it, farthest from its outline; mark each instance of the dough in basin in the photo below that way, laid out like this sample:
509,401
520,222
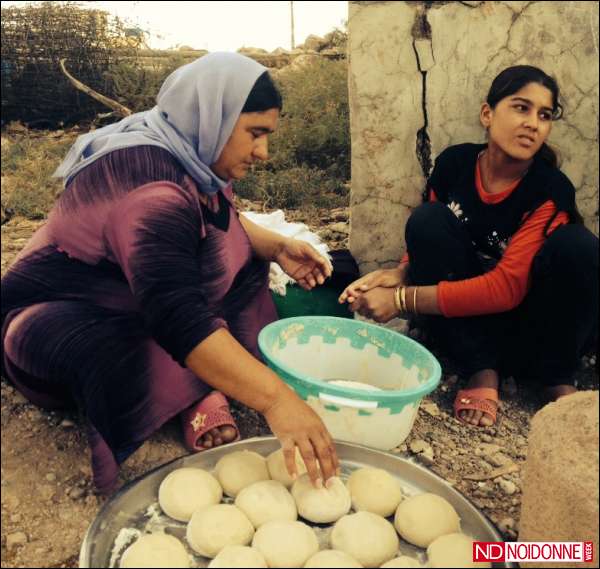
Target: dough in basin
331,558
421,519
155,550
235,556
374,490
286,544
321,505
266,501
239,469
367,537
186,490
452,550
278,470
214,527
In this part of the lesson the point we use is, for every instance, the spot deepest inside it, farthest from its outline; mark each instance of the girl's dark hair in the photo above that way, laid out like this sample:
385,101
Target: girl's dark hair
263,96
511,80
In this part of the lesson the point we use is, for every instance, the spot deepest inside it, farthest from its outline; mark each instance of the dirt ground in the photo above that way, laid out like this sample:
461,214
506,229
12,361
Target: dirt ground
47,494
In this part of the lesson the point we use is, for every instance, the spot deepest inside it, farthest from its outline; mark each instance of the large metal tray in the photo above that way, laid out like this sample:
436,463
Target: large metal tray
135,505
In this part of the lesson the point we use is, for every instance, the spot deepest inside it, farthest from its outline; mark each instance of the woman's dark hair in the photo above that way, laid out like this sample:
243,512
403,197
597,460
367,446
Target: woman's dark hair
511,80
263,96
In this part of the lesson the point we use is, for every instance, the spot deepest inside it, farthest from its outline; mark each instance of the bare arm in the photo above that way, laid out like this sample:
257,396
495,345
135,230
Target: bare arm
382,277
379,303
224,364
297,258
425,301
266,244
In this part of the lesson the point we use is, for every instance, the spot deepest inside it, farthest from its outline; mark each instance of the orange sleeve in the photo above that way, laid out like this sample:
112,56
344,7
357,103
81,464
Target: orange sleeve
432,198
504,287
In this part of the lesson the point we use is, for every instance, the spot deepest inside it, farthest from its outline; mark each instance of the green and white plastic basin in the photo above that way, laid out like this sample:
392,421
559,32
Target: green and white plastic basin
310,351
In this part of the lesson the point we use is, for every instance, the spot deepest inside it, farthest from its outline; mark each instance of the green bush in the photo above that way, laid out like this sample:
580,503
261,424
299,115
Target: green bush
136,83
291,188
310,152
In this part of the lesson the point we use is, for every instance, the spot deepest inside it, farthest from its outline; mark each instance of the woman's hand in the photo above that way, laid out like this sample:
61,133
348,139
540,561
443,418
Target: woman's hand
390,278
377,304
295,424
301,261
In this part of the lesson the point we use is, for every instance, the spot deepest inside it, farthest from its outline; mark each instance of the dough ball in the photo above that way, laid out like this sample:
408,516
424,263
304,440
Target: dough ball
214,527
155,550
323,505
367,537
186,490
266,501
286,544
278,470
238,556
400,562
452,550
331,558
421,519
374,490
240,469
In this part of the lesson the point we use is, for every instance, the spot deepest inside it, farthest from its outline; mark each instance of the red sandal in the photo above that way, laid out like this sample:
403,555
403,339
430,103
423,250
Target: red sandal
484,399
200,418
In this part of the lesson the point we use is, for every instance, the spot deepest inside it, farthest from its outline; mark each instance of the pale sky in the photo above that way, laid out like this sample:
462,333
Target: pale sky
226,26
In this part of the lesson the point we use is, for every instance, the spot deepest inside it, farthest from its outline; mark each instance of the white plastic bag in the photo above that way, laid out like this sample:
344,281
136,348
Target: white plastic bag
276,222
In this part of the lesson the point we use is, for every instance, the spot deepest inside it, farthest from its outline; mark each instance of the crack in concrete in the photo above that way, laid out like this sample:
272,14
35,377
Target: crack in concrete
384,261
577,129
422,30
388,199
471,5
516,15
585,96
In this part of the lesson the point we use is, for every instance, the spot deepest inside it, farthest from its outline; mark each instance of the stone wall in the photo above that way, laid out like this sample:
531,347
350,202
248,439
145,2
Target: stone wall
419,72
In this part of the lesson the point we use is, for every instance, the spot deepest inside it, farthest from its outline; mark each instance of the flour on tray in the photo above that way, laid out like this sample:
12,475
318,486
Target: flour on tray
125,538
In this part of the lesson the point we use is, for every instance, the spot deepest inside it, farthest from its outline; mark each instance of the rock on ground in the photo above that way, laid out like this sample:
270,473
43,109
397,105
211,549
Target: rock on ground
560,484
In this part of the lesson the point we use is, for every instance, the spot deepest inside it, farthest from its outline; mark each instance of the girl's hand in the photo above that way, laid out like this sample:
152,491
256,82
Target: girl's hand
377,304
389,278
301,261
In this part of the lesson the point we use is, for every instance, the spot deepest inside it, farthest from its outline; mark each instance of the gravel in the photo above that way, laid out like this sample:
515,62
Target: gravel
508,487
77,493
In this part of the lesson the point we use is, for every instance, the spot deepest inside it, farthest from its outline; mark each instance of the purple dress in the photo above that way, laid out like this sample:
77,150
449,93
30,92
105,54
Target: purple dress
109,297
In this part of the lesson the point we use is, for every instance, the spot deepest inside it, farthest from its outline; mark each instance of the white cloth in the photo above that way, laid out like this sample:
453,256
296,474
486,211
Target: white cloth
276,222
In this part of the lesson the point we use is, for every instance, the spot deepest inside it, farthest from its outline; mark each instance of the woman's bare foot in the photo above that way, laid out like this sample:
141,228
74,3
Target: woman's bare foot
218,436
483,378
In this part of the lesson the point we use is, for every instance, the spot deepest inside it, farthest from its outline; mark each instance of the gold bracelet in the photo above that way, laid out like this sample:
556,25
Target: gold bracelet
397,299
415,301
403,298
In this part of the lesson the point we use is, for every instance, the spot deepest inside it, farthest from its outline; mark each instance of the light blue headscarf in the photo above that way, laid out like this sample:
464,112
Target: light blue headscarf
197,108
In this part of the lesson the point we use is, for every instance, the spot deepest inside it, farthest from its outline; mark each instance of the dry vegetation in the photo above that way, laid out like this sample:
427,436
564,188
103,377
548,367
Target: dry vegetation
310,153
